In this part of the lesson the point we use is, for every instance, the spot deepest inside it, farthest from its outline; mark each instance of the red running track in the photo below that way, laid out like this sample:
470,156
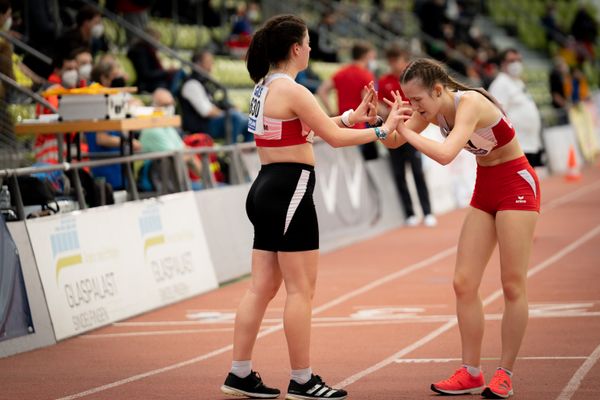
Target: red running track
384,324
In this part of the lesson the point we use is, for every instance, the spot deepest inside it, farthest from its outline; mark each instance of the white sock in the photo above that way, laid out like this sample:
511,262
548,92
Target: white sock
473,371
241,368
302,376
507,371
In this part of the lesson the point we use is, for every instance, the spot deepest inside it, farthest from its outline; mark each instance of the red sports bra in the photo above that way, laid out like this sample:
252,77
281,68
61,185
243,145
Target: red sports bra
273,132
483,140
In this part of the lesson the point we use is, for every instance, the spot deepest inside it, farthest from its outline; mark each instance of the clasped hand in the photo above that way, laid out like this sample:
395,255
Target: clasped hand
400,110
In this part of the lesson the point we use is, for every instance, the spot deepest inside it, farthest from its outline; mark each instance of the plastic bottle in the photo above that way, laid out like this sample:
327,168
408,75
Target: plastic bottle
4,198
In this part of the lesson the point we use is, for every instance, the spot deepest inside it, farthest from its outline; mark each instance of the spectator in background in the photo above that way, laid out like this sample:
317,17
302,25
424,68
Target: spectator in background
149,70
309,79
398,59
88,28
510,91
109,142
349,83
107,73
43,28
558,78
324,41
584,29
133,11
577,88
203,106
119,77
84,65
166,138
241,31
554,33
45,147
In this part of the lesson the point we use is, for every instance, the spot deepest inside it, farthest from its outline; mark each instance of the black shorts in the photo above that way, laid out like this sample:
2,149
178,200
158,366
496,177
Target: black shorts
281,208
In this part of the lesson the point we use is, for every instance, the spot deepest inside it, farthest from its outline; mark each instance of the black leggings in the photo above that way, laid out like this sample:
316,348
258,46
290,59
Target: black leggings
281,208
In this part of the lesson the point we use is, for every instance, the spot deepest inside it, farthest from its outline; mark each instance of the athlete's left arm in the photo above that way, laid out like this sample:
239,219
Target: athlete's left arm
466,119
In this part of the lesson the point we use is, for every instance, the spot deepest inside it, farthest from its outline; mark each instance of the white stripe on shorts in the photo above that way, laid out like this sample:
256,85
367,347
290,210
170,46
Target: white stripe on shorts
296,198
529,179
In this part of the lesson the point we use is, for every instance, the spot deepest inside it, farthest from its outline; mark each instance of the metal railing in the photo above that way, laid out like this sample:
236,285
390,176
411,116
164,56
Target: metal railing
176,171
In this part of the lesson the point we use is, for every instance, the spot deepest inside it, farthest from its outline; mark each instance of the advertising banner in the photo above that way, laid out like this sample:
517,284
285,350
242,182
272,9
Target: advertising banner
105,264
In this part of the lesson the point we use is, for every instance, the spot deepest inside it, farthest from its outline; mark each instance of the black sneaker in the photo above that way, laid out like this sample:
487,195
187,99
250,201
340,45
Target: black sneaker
315,388
251,386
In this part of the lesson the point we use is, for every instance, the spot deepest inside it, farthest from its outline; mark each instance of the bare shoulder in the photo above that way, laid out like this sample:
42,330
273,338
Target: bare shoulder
476,103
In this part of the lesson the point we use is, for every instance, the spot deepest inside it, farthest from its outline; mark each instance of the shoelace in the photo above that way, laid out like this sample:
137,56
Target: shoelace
499,380
455,377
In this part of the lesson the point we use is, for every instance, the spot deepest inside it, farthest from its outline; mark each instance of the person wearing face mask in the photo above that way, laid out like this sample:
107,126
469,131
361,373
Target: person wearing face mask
66,75
348,82
87,34
167,138
510,91
84,64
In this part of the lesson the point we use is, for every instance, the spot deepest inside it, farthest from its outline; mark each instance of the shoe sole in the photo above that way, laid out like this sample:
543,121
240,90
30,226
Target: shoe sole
477,390
300,397
241,393
490,394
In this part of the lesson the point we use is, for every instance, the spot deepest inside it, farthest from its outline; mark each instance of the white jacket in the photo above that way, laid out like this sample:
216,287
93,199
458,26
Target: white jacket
521,110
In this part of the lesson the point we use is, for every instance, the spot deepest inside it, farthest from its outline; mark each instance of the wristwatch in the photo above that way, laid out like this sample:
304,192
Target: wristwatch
381,133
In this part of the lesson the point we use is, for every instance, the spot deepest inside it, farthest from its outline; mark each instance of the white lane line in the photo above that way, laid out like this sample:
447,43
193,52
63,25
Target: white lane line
154,333
343,322
452,323
446,360
570,196
386,279
579,375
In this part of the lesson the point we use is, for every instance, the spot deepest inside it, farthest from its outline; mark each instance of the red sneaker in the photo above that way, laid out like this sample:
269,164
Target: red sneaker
500,386
462,382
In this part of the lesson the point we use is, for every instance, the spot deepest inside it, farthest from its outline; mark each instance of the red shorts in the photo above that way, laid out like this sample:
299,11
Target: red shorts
512,185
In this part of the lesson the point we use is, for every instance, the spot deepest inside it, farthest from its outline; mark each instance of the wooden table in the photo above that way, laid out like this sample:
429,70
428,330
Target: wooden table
121,125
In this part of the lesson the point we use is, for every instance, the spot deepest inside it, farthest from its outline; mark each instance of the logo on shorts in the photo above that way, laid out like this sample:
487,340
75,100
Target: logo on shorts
520,200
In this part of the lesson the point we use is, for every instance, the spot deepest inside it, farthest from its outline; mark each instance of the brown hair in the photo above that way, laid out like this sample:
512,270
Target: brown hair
431,72
271,44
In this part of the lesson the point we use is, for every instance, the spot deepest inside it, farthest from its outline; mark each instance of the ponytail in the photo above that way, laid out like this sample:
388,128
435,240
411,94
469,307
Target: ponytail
271,44
431,72
257,57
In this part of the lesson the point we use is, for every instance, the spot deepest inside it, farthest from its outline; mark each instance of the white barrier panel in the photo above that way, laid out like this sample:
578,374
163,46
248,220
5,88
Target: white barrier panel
558,140
105,264
229,233
345,197
450,186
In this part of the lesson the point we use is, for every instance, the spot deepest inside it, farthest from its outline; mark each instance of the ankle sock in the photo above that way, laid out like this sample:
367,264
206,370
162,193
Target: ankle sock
507,371
473,371
241,369
302,376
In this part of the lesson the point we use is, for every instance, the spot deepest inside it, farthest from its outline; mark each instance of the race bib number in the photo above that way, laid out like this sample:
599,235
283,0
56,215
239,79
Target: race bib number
255,115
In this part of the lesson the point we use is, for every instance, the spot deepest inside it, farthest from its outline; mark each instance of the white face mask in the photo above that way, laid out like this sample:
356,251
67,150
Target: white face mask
514,69
69,78
169,110
97,31
7,24
372,65
85,71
